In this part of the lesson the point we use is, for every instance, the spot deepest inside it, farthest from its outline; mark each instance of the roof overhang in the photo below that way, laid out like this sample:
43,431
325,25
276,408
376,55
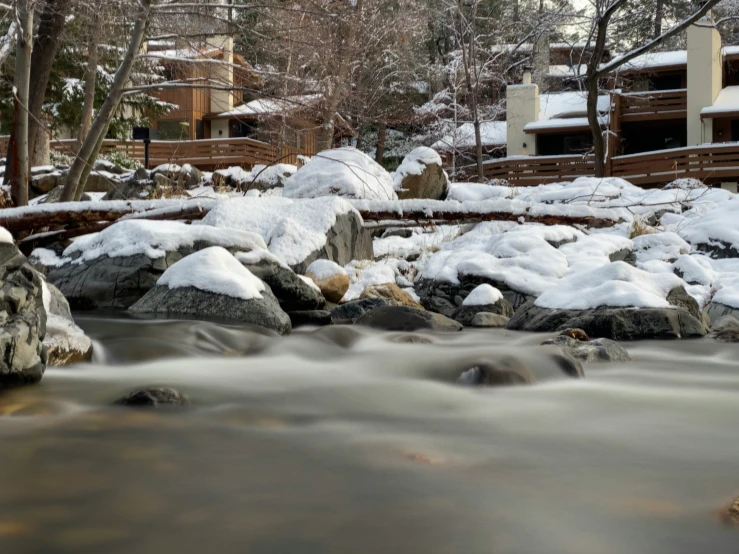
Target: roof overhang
718,114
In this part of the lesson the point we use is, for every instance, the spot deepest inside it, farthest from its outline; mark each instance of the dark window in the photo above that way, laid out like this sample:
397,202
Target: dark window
175,129
199,129
239,129
665,82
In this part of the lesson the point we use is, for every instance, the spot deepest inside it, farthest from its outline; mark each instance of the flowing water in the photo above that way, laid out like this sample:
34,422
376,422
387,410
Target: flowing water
345,440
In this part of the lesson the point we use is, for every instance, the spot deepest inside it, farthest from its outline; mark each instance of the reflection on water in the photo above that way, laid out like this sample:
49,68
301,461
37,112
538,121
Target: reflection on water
345,440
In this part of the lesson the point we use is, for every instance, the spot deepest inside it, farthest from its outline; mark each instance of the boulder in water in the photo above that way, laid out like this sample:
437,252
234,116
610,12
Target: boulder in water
483,299
65,342
23,317
154,397
404,318
392,293
488,320
317,318
597,350
349,312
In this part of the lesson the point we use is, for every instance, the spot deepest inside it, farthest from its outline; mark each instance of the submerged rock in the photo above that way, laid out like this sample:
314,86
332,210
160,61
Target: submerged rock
310,317
154,397
597,350
23,318
403,318
716,311
488,320
726,329
512,370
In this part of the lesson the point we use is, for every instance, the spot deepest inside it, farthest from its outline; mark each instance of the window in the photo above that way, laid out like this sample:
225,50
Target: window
239,129
174,129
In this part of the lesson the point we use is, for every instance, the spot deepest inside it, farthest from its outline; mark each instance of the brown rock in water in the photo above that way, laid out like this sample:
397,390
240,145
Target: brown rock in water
392,293
153,397
504,372
577,334
333,288
730,514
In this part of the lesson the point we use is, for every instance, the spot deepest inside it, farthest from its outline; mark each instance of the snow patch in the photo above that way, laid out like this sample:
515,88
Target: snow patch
325,269
483,295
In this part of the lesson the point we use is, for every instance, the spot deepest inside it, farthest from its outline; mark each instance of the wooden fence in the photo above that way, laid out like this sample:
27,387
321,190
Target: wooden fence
668,104
203,154
711,163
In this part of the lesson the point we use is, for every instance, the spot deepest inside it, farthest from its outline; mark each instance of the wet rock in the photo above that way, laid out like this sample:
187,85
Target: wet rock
350,311
154,397
598,350
488,320
191,302
65,342
680,298
726,329
391,292
716,311
611,323
466,314
294,294
403,318
317,318
503,372
577,334
409,338
23,319
730,514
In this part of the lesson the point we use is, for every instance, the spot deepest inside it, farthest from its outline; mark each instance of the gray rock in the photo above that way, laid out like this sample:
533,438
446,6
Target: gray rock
716,311
404,318
726,329
444,297
137,187
488,320
185,177
612,323
191,302
718,250
347,240
350,311
293,293
154,397
680,298
511,370
466,314
56,194
597,350
317,318
58,305
44,183
401,232
110,167
23,319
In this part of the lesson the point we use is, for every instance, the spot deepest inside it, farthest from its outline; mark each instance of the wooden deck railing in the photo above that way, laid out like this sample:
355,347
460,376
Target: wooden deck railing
711,163
204,154
667,104
536,170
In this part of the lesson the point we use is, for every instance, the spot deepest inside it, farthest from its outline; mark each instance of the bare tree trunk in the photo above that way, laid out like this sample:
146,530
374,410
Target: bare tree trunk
381,138
472,80
594,124
360,134
90,82
92,144
659,15
45,48
20,169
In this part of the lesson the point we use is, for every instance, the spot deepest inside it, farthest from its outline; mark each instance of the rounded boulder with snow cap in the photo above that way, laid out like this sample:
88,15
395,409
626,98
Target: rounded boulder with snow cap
213,284
616,301
331,278
483,299
421,175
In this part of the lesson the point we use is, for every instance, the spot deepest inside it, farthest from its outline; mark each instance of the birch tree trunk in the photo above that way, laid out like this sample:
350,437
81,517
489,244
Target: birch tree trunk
90,81
94,140
18,149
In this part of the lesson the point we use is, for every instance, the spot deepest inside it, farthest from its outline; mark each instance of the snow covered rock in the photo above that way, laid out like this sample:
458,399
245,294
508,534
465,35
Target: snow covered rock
666,247
185,176
260,178
291,290
404,318
345,172
330,278
715,231
298,231
483,299
392,293
601,302
213,284
726,329
65,342
137,187
420,175
23,317
116,267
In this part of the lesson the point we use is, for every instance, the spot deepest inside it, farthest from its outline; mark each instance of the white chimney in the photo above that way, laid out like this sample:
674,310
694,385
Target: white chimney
705,77
223,75
522,109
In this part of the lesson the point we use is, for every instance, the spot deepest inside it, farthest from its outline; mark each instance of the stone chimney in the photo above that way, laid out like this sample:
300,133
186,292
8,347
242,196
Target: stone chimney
522,109
705,77
223,75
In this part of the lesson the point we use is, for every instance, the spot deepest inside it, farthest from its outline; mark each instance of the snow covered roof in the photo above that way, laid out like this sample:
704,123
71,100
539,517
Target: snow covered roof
268,106
567,70
726,102
570,123
674,58
493,133
568,104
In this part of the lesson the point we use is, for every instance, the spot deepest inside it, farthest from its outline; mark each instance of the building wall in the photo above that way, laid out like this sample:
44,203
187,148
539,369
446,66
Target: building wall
705,78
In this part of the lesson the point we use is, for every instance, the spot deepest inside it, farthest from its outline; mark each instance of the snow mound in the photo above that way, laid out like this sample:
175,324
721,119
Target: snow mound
659,246
363,274
415,163
216,270
325,269
293,229
593,251
154,239
617,284
464,192
5,236
716,227
345,172
483,295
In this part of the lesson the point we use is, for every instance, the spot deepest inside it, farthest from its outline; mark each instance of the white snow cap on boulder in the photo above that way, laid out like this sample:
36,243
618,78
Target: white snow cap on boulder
617,284
482,295
345,172
325,269
5,236
216,270
156,238
415,163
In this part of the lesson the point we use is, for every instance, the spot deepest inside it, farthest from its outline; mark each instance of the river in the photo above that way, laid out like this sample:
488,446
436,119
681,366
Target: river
347,440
